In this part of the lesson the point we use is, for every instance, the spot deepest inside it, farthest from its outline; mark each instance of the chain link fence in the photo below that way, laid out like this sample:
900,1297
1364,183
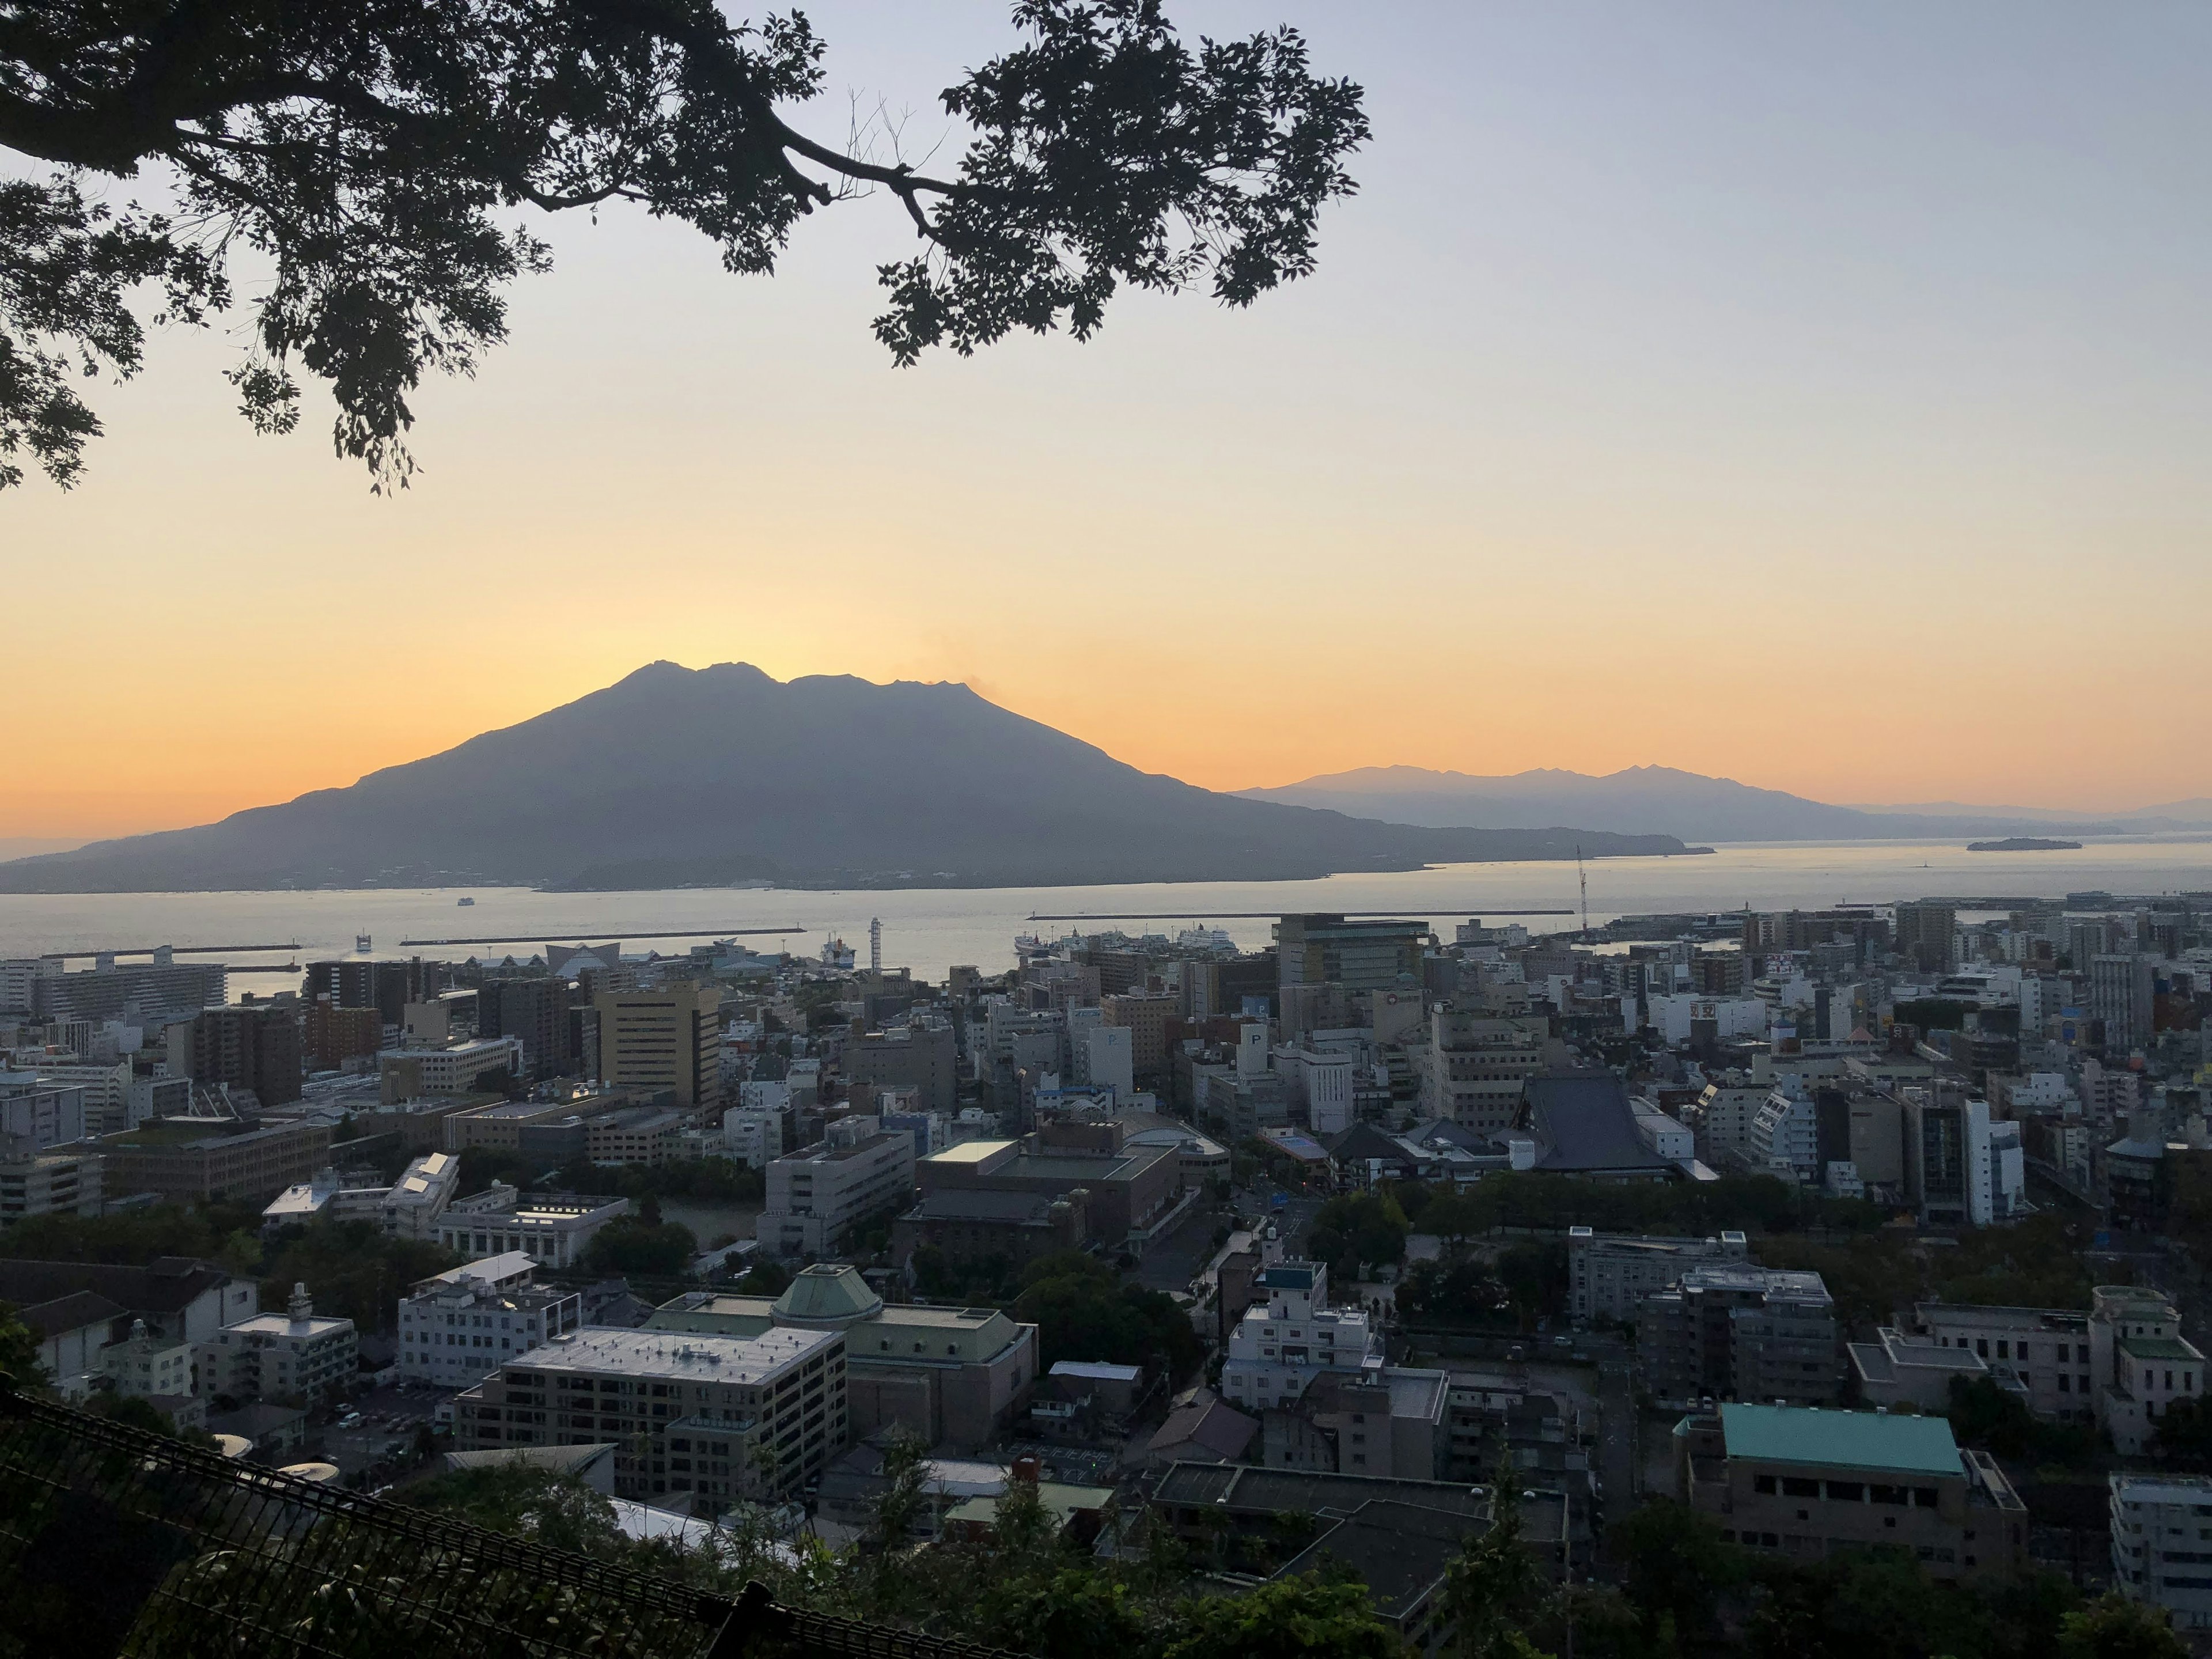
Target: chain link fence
120,1544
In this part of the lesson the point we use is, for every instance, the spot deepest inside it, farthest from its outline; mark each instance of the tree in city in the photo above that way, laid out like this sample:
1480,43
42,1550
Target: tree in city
377,154
1307,1618
1366,1230
1494,1587
1083,1311
630,1245
19,1350
1679,1568
2113,1627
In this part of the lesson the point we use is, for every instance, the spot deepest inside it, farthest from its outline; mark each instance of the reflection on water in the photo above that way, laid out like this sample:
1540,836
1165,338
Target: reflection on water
928,929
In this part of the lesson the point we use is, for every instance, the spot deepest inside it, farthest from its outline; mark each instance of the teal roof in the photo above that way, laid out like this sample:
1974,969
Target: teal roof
1847,1440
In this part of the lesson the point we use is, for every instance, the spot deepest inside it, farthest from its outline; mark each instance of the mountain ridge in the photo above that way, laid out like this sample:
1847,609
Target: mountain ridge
1658,800
674,776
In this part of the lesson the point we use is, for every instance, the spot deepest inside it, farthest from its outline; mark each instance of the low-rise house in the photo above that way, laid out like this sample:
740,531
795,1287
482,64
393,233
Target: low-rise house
293,1355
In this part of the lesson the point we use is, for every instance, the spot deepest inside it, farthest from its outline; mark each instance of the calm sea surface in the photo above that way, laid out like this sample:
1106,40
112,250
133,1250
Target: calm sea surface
928,929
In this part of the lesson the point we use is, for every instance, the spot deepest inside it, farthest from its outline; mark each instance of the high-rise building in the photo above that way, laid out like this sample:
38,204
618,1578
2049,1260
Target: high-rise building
254,1046
1147,1015
922,1054
2122,992
1734,1331
666,1039
536,1010
149,992
1477,1067
1928,936
1367,955
330,1036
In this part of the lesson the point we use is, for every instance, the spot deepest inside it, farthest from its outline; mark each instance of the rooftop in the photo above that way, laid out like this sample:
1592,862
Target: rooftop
1840,1439
2159,1347
2005,1319
1585,1124
599,1349
968,1152
1096,1371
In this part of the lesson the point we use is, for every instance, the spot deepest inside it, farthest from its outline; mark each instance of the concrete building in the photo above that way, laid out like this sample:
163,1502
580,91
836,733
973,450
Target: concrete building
2122,991
817,1196
1291,1336
1741,1332
553,1229
75,1310
635,1134
1392,1420
252,1047
922,1054
1369,954
497,1126
1927,936
62,1183
1905,1368
536,1012
1785,1136
1477,1066
293,1355
2141,1363
666,1039
456,1069
1145,1015
1127,1188
1609,1274
754,1128
1809,1483
2161,1538
197,1158
956,1376
696,1420
459,1326
2042,1355
37,1110
147,992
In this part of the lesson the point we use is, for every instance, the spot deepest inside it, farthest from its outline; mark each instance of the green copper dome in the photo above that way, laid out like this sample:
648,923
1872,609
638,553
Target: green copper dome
828,1297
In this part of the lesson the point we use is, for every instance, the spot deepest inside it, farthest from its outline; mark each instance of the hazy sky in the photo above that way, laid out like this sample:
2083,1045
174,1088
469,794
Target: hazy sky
1815,394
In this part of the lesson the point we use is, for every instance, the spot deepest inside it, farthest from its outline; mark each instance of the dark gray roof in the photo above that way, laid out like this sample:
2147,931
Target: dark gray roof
1308,1492
73,1312
1400,1550
1207,1424
1585,1125
981,1204
1362,1141
169,1284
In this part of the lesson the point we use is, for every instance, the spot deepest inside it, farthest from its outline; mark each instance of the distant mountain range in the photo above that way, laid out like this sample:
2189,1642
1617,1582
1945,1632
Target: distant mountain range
1659,799
675,777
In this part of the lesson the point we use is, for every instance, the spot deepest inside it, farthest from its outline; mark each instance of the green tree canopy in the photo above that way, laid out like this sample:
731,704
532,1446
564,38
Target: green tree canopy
379,152
2113,1627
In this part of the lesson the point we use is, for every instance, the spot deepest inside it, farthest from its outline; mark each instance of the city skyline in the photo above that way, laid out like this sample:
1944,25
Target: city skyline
1812,400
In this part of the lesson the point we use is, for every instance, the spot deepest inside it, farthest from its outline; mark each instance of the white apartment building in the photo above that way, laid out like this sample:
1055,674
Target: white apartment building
1609,1274
1785,1138
1284,1342
459,1326
1107,1055
553,1231
753,1128
1320,1081
291,1355
1721,1120
147,1366
695,1420
36,1112
816,1195
2161,1533
105,1089
57,1182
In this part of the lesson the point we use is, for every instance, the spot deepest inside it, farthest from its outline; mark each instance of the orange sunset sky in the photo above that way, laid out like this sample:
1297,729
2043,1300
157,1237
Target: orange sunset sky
1816,396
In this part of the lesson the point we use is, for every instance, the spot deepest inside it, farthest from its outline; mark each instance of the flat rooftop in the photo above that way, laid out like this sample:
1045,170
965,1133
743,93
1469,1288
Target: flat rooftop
600,1349
968,1152
1840,1439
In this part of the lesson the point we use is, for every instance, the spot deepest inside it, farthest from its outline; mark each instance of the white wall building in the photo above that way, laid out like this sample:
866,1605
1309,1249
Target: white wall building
815,1196
1109,1057
291,1355
553,1230
1785,1135
37,1112
2161,1534
458,1327
1284,1342
1672,1017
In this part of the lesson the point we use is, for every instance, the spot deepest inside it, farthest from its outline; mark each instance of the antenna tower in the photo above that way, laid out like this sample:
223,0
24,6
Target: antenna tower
1582,878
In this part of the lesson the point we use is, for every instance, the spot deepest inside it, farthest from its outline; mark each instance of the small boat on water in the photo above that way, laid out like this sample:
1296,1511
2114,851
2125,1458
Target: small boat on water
464,903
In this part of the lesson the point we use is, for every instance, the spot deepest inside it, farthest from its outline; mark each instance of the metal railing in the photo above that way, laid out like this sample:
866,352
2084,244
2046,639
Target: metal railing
116,1543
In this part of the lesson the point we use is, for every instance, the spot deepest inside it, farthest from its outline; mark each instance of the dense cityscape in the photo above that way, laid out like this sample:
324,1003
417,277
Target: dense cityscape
1745,1253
